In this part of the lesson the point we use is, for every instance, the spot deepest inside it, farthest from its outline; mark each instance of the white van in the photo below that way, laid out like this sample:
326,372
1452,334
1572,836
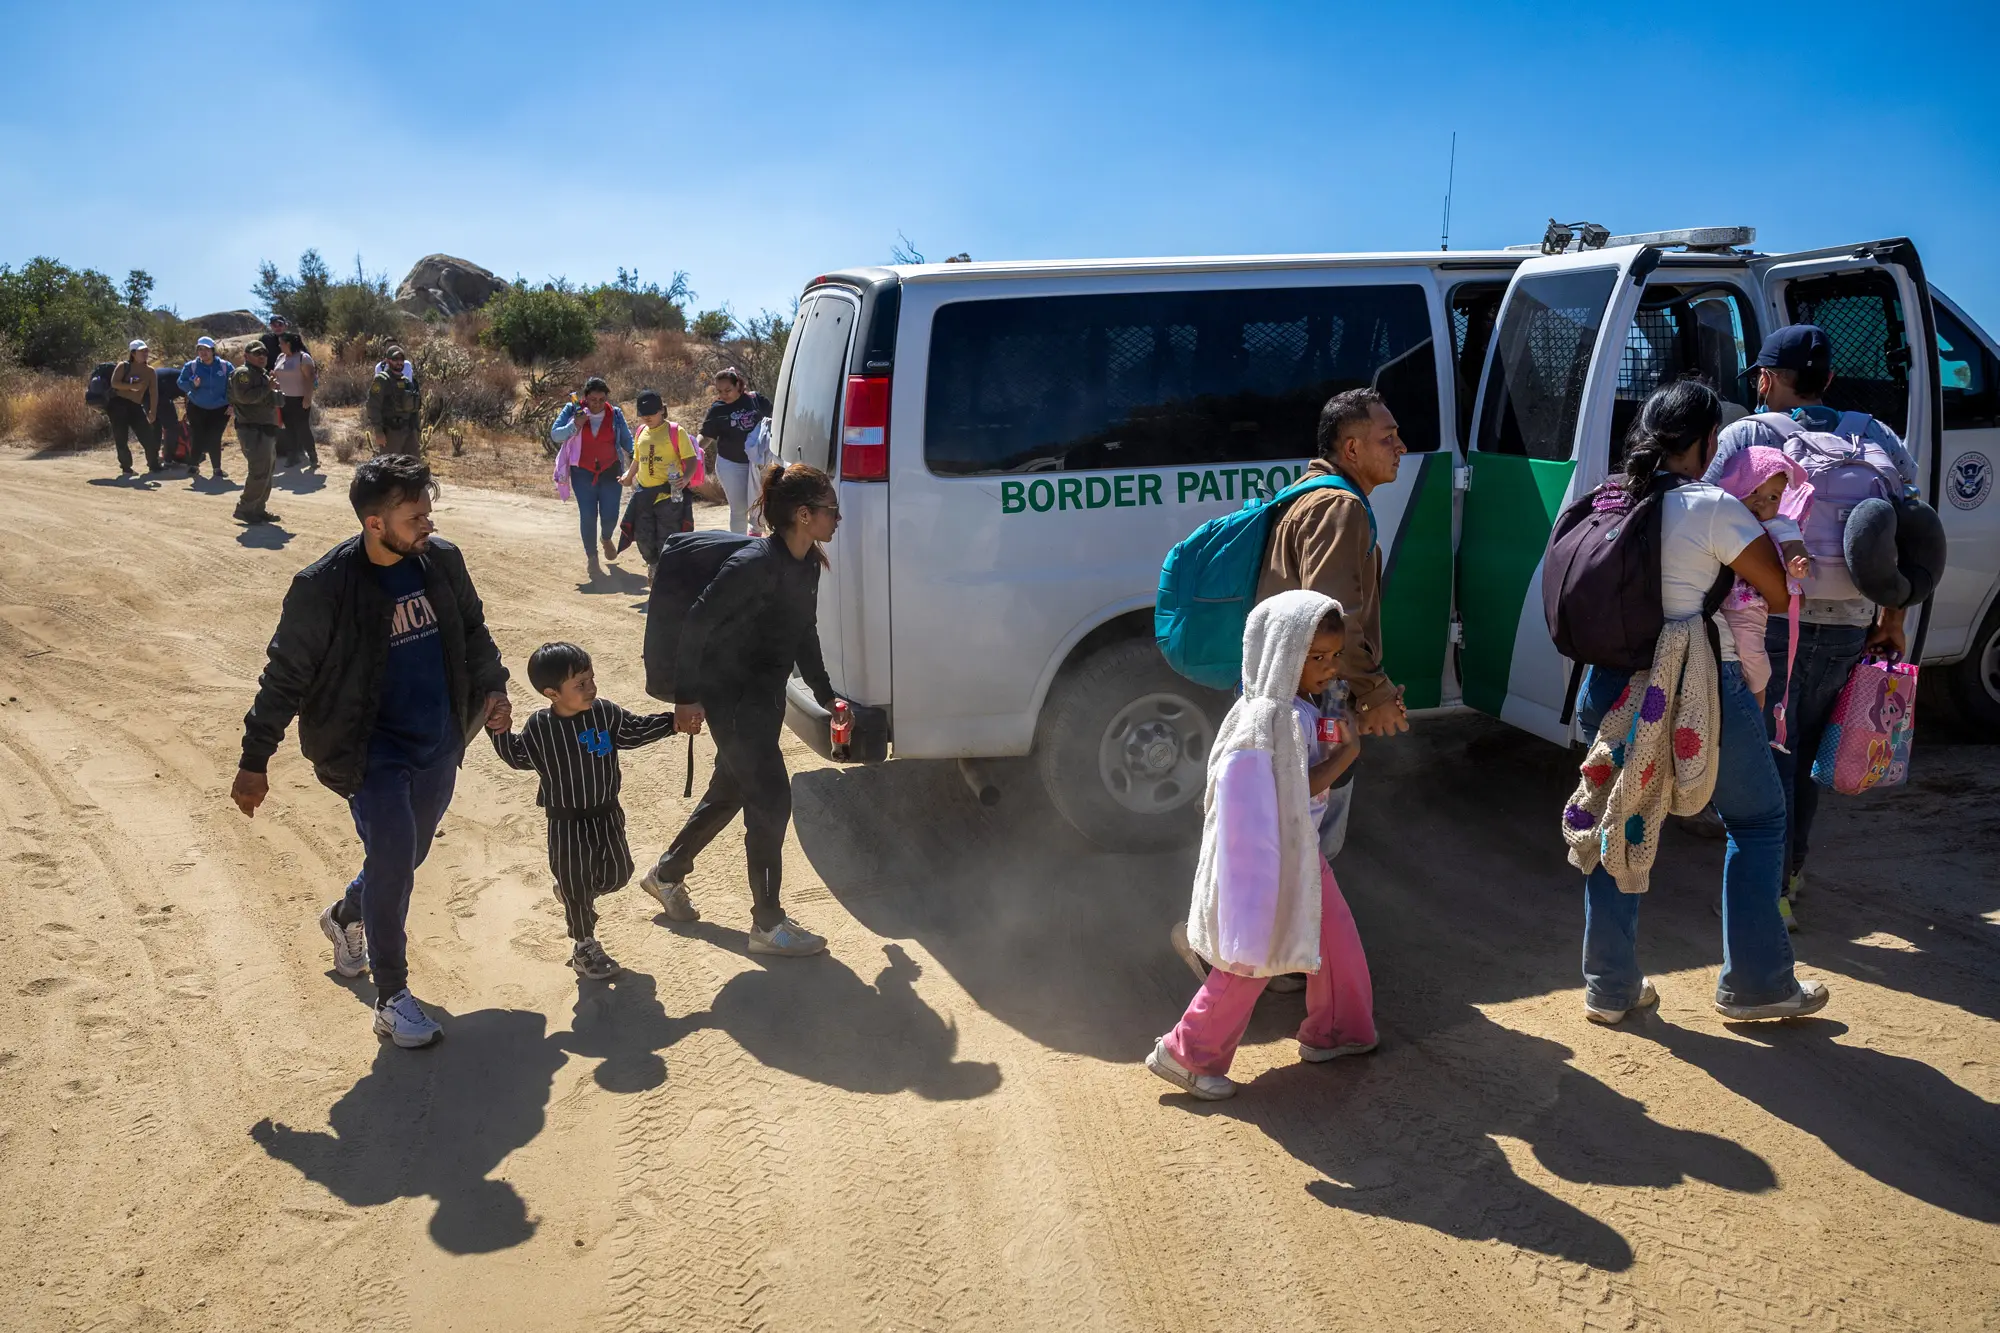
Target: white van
1018,445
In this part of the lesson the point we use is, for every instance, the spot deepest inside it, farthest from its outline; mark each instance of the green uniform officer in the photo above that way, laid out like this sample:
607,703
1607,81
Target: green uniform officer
394,405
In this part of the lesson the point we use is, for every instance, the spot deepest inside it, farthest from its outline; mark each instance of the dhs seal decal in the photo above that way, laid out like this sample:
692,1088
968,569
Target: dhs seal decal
1968,479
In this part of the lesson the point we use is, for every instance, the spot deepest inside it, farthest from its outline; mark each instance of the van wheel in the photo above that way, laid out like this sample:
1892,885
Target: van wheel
1975,678
1122,748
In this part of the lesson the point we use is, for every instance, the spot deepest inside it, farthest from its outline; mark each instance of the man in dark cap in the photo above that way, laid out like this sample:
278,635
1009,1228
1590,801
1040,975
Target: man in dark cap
395,406
1792,372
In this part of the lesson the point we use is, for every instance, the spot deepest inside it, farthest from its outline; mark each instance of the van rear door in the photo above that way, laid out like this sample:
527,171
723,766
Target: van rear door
1875,306
1550,383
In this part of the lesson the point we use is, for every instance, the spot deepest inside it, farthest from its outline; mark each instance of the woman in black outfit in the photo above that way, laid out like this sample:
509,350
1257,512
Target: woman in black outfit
731,417
739,642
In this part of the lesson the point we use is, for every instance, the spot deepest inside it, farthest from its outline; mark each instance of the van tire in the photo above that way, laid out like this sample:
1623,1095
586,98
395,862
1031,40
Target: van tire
1141,789
1975,678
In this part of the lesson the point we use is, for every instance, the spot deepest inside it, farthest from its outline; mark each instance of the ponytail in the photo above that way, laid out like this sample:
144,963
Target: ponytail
785,491
1674,419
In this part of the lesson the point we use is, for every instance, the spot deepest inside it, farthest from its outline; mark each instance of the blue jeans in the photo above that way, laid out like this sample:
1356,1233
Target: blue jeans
1827,653
396,812
597,504
1756,952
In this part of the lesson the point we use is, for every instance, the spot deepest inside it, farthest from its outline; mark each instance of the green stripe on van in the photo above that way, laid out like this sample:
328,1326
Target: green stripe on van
1416,587
1509,511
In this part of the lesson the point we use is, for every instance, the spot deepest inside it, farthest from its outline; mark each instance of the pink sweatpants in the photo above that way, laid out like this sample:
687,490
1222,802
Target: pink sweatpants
1340,1001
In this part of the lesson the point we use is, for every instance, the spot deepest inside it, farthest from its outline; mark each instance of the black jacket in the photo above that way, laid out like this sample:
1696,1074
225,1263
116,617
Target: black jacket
757,619
326,661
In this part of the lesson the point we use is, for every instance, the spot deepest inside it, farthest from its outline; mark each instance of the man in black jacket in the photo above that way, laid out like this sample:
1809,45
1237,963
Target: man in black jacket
383,656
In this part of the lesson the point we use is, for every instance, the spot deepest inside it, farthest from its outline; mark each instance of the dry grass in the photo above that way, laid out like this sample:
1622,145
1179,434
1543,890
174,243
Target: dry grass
51,414
344,383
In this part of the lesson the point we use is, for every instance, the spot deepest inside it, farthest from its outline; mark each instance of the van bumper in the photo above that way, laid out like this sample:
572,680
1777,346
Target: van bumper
814,725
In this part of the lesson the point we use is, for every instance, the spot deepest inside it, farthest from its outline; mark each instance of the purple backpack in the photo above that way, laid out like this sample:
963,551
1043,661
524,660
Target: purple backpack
1601,580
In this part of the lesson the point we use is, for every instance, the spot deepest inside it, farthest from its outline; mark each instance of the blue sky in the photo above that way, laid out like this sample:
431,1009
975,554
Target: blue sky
758,145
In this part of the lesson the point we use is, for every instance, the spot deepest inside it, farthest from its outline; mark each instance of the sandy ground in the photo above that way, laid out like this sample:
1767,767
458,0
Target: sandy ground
943,1124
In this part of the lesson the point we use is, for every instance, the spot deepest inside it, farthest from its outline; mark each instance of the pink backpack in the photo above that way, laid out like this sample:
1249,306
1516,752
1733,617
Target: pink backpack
1844,468
1867,740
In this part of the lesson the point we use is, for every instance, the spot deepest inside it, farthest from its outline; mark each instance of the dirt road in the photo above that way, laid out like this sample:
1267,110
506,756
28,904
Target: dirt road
943,1124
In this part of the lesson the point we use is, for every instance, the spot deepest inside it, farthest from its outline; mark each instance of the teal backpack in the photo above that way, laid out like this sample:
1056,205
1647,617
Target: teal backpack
1209,583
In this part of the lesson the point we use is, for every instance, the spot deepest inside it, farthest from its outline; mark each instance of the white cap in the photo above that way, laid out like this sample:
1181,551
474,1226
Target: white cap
137,345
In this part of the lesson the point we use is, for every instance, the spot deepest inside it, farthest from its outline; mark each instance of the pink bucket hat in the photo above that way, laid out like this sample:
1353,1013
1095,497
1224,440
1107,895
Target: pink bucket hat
1750,468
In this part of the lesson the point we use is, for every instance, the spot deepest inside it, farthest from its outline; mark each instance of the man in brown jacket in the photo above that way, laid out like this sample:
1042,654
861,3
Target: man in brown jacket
1326,541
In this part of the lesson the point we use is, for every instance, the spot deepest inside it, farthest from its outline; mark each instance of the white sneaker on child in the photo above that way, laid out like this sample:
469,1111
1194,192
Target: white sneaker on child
1203,1087
590,962
1321,1054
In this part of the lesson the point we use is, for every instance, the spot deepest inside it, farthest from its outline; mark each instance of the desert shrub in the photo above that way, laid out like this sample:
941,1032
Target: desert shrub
460,388
712,325
351,442
625,305
535,326
53,415
344,382
57,317
305,300
359,311
760,352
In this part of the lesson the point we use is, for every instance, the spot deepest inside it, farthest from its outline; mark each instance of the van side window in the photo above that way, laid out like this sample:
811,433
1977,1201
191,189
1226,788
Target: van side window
1158,379
1968,372
1540,359
811,410
1862,314
1473,307
1703,329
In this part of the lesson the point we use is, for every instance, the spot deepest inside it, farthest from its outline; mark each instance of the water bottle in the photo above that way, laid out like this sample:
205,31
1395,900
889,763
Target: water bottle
842,730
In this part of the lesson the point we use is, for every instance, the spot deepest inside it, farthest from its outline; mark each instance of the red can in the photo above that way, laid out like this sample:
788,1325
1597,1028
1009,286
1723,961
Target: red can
843,725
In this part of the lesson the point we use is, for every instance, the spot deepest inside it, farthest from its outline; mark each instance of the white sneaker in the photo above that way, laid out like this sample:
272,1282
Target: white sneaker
403,1021
1202,1087
1647,996
350,944
590,961
1321,1054
1179,939
1810,999
788,939
671,895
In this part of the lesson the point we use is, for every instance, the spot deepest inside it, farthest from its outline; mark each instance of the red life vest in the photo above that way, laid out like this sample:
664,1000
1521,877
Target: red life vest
598,449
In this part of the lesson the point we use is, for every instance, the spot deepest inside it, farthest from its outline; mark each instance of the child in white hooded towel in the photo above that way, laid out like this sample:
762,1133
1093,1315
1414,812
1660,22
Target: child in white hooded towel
1265,900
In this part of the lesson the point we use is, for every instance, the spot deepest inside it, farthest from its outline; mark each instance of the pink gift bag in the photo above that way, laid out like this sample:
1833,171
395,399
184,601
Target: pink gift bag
1867,741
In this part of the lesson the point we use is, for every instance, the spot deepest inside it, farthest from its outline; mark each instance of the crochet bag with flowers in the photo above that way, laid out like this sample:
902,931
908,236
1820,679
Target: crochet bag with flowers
1867,741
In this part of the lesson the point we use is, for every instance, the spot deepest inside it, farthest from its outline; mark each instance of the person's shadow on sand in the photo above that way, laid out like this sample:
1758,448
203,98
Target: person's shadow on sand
1410,1134
622,1025
437,1122
1897,1119
815,1018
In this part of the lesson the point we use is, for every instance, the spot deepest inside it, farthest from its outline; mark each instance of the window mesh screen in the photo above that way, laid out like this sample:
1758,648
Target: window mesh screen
1863,319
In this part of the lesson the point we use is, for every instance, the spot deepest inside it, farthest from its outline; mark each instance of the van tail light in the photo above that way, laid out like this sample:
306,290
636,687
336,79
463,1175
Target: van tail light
864,441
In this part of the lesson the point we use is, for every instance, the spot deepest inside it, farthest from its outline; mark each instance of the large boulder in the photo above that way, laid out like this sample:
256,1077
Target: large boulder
228,323
230,349
443,285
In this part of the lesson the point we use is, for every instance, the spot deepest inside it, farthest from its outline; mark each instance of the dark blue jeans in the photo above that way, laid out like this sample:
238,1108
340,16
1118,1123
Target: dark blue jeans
596,504
396,812
1827,653
1756,952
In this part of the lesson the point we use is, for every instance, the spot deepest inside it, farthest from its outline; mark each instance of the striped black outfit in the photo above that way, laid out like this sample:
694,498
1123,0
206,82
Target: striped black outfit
577,758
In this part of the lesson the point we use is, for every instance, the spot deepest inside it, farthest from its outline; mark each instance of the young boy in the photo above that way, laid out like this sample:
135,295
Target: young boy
573,744
662,458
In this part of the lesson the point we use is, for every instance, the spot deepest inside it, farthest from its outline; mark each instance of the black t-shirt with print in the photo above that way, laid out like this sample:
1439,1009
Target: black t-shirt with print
729,424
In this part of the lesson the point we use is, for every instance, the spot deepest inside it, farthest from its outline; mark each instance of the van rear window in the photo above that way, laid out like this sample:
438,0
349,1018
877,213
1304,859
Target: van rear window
1161,379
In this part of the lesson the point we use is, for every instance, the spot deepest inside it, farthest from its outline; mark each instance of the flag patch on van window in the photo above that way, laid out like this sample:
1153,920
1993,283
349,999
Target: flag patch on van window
1136,490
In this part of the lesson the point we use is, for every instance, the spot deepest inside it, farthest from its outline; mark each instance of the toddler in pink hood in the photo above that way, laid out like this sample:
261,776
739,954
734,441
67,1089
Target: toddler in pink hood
1774,488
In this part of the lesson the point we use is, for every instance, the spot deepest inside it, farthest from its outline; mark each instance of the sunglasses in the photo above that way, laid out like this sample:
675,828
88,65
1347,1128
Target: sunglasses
833,508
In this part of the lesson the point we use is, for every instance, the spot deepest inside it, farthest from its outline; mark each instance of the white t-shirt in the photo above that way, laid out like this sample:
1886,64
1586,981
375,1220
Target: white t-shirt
1702,528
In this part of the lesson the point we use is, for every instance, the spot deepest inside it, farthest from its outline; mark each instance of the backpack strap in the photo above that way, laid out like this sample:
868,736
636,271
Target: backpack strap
1322,482
1791,660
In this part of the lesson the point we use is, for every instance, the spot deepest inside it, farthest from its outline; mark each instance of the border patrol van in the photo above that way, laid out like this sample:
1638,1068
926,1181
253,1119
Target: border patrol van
1017,446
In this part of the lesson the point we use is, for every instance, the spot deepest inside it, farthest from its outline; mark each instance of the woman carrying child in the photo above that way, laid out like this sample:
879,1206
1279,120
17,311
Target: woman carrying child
1265,901
1702,529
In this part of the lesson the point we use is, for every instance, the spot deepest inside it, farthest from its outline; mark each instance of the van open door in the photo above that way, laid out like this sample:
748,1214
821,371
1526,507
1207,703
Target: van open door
1540,437
1875,306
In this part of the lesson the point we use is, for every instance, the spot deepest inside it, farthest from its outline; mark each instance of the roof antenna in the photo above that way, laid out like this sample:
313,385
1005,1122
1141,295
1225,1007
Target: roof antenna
1451,175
